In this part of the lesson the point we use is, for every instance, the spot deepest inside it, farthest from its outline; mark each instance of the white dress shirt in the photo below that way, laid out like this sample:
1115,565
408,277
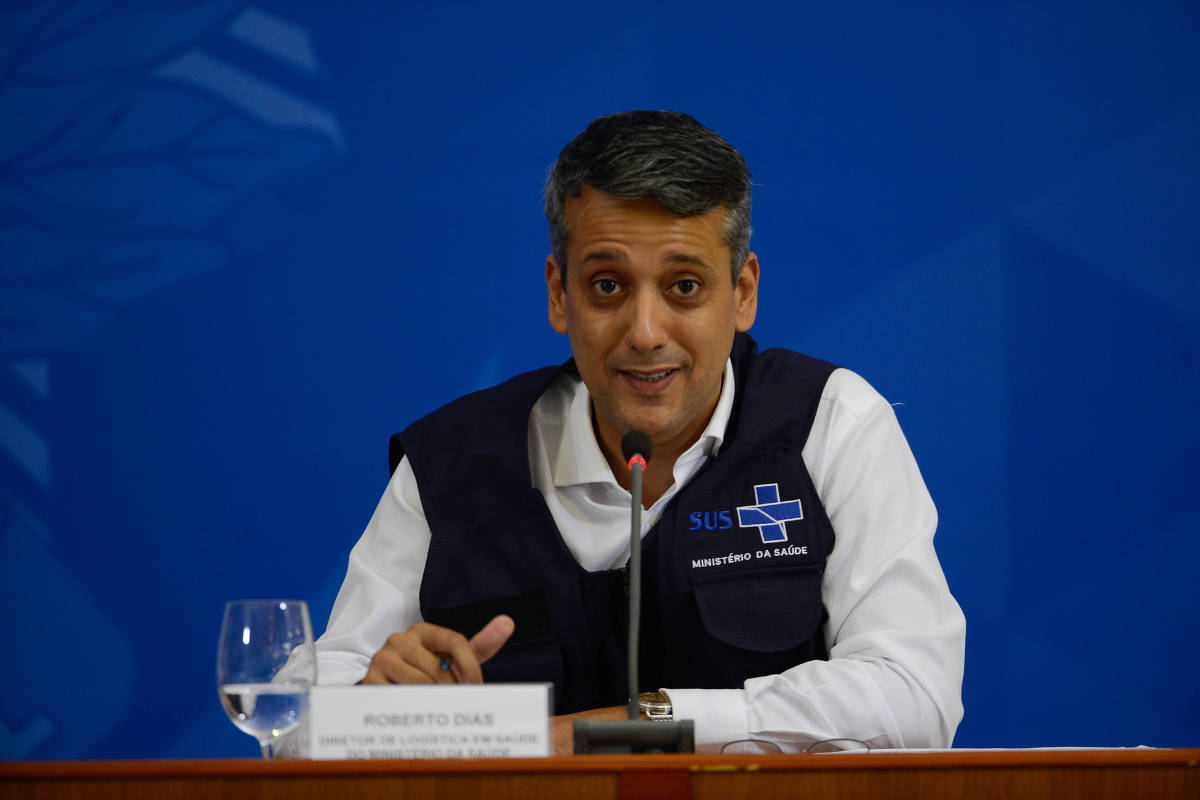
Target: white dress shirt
896,635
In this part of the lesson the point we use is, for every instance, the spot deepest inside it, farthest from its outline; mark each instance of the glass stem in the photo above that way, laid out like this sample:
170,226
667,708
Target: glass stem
268,751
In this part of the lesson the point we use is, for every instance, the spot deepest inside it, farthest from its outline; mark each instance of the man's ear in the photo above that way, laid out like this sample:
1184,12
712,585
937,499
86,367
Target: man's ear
745,293
556,294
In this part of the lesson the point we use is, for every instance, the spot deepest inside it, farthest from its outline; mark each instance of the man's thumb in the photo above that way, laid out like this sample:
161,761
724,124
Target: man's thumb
488,641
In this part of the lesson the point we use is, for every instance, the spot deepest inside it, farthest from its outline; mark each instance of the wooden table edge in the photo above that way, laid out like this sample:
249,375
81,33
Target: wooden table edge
949,759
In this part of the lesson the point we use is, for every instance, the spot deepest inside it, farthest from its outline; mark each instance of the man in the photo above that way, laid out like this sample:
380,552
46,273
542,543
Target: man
792,593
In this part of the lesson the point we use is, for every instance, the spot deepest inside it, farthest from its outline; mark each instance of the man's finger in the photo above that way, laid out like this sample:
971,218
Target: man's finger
488,641
388,666
441,643
417,656
396,672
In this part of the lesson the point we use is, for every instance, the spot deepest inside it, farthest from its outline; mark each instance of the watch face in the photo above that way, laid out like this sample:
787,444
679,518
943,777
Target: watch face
655,703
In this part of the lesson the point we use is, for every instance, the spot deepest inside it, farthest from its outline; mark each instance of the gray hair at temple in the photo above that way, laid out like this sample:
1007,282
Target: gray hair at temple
664,155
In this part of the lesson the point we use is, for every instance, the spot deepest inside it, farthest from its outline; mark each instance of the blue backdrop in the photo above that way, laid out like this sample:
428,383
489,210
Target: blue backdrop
241,243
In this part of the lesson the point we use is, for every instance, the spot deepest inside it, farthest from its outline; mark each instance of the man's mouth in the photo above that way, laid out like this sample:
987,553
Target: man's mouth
648,377
647,382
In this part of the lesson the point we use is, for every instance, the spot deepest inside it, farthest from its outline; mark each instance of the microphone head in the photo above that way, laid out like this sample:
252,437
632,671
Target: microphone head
636,443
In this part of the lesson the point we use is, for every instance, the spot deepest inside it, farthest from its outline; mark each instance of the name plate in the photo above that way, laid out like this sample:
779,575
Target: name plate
459,721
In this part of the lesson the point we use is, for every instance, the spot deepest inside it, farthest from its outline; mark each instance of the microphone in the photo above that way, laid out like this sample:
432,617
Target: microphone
634,735
636,447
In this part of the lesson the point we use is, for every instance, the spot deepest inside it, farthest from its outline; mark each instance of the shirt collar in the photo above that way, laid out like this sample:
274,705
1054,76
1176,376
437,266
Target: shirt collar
580,460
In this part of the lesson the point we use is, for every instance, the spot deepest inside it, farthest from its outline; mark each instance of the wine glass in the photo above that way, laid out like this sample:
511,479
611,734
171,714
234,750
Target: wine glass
259,637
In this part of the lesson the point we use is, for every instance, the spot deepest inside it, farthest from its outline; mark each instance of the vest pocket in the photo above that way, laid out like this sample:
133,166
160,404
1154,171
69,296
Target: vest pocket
532,660
764,610
532,655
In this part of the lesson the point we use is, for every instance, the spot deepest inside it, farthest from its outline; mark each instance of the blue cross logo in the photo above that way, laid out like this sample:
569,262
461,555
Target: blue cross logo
768,514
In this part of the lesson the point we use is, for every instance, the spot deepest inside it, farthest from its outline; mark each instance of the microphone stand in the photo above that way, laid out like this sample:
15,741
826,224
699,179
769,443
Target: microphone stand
634,735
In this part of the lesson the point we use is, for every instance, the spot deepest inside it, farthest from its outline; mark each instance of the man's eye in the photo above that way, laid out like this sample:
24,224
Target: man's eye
687,286
606,286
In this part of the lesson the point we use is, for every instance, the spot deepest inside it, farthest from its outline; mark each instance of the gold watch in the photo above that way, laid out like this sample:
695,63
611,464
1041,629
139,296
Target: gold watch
656,706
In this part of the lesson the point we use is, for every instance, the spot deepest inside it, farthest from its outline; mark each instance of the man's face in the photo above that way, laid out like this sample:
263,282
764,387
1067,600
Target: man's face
651,311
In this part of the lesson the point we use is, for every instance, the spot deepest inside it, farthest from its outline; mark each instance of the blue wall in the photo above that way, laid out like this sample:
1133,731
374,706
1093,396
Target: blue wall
240,244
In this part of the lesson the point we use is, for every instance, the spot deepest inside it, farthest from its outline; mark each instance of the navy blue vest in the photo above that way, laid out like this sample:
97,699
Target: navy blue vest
731,571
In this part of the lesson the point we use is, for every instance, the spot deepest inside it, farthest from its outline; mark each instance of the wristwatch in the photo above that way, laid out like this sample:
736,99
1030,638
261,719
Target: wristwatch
656,706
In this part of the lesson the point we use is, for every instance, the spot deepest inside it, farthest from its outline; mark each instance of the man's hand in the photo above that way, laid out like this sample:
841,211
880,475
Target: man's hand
416,656
562,728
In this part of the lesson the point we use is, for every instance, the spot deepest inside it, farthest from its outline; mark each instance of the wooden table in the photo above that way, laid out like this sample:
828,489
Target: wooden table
952,774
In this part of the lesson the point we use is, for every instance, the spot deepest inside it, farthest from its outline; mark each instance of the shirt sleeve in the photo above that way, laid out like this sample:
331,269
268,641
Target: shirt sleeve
381,593
380,596
894,674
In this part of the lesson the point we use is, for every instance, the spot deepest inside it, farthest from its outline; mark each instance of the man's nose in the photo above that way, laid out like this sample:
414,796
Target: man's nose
649,321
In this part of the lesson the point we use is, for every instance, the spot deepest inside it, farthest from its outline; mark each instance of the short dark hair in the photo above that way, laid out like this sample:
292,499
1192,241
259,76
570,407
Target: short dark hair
664,155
